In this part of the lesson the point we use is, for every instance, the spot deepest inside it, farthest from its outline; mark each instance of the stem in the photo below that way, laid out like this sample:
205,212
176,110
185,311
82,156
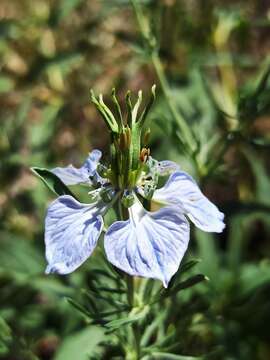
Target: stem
135,329
187,135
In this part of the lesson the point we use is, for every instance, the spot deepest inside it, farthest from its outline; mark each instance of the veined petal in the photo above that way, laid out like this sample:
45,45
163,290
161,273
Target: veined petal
163,168
72,230
182,190
151,245
166,167
72,176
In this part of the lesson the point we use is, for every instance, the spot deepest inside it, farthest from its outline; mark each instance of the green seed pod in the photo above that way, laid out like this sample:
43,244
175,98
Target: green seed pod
146,137
128,199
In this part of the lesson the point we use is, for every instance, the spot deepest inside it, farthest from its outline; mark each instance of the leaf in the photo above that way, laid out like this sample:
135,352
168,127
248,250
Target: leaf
186,267
52,181
196,279
81,344
131,318
169,356
255,101
189,265
5,336
115,324
82,309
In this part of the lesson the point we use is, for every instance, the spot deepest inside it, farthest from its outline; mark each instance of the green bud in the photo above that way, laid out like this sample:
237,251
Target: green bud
148,106
118,108
149,189
128,199
136,107
146,137
129,108
124,139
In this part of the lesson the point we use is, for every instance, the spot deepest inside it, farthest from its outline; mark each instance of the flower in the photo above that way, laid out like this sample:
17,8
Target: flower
147,244
141,243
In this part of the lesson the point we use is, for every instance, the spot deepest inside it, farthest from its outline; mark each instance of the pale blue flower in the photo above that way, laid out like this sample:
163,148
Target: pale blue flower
148,244
72,176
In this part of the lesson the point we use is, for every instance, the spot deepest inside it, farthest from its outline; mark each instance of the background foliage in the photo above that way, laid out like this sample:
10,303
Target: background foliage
210,62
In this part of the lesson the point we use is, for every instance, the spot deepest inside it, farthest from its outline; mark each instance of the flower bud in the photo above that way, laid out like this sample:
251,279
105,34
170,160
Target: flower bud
149,189
127,199
145,153
124,139
146,137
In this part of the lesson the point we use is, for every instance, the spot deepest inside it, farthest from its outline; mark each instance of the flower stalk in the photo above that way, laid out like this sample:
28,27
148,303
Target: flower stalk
186,135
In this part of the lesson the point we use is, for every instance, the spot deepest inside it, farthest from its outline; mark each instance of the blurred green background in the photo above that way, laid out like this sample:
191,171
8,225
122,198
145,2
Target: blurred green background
214,55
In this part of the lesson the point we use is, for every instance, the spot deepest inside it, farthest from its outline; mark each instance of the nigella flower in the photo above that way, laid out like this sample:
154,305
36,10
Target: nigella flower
144,243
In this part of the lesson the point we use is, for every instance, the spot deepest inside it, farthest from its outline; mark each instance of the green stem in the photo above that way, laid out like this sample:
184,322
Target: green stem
135,329
186,133
130,290
185,130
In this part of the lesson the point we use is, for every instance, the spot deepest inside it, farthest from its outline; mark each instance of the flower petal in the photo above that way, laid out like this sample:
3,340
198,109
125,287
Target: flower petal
72,176
151,245
182,190
166,167
72,230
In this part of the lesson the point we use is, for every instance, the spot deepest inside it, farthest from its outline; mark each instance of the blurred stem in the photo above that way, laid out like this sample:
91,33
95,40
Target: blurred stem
220,152
135,330
228,80
187,135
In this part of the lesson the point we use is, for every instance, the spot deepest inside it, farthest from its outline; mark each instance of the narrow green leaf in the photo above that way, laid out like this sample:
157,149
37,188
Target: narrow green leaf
52,181
189,265
79,307
115,324
109,290
169,356
196,279
152,328
131,318
5,336
148,106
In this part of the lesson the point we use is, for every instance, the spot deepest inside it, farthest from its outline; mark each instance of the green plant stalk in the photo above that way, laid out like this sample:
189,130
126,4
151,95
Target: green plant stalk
185,130
135,330
187,136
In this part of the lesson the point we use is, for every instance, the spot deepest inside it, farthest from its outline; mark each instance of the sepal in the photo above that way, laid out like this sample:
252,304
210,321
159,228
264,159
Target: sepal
105,112
52,181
